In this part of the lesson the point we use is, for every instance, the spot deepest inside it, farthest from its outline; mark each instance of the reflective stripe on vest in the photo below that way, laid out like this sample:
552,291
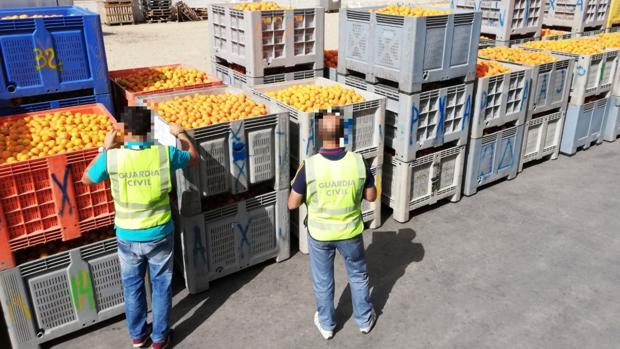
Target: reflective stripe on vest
140,182
334,192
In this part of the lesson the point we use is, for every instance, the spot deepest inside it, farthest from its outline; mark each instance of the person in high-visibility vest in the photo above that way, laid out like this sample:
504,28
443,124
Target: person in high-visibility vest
332,184
140,175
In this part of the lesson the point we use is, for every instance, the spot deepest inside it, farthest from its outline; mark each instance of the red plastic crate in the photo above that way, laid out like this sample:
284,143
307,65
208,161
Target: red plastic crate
123,98
43,199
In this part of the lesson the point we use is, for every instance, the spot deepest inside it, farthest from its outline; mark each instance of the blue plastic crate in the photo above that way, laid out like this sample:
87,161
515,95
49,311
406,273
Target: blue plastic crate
51,55
104,99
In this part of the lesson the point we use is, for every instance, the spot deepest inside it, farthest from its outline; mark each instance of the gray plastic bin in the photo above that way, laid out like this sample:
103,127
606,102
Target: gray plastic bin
583,126
578,15
541,137
612,121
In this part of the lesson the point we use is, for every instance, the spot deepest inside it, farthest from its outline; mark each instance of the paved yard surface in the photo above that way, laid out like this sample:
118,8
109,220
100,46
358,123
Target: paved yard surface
528,263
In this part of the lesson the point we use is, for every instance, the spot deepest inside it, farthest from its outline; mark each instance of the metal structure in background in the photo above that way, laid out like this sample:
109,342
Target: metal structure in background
34,3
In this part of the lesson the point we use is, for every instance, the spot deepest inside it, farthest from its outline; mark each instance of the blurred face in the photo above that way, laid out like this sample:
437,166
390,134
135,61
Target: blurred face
330,128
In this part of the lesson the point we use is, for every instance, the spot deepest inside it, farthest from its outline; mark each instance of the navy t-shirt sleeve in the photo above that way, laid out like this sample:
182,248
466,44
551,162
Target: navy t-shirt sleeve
370,179
299,181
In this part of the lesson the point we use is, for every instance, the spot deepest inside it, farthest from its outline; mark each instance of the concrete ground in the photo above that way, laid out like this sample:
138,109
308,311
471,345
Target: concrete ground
528,263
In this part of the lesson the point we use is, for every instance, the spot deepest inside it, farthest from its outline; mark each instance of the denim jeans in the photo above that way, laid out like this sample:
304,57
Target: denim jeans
322,269
134,258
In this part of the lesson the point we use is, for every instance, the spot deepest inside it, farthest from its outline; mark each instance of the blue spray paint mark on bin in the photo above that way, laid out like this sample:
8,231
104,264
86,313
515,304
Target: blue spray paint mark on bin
526,95
414,123
441,127
243,230
200,253
63,188
467,112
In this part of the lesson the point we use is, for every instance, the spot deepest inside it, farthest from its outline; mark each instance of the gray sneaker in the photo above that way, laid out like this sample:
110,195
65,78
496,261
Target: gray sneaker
326,334
371,323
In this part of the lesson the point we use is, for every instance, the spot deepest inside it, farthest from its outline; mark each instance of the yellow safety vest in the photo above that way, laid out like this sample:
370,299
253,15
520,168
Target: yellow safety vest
334,192
140,181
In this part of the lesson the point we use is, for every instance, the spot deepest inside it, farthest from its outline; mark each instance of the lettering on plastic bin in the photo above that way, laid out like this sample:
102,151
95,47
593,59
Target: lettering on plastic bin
82,291
502,18
414,123
239,151
580,4
526,95
581,71
560,87
552,4
46,58
17,304
507,156
243,230
542,93
199,250
467,112
63,189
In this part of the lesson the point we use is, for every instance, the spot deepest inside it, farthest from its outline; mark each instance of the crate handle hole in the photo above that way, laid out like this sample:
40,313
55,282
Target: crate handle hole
40,333
11,86
425,75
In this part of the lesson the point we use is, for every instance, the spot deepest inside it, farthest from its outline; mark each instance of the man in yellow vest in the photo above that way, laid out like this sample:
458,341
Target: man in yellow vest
140,175
332,184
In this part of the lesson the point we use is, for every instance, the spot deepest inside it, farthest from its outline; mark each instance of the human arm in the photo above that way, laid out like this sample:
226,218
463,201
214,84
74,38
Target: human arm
186,143
370,189
96,171
298,189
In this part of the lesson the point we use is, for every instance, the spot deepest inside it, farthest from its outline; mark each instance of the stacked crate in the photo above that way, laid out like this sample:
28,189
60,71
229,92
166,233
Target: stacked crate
56,276
52,61
231,209
613,19
500,108
116,12
424,66
262,47
506,21
155,11
364,124
576,16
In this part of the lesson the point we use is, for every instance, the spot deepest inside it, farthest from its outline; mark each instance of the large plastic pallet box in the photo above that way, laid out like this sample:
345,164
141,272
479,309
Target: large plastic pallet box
227,239
593,75
422,182
408,51
236,156
61,294
371,211
51,55
44,199
611,128
328,5
259,40
492,157
542,136
613,18
234,78
41,103
505,19
578,15
583,125
364,122
422,120
501,99
124,97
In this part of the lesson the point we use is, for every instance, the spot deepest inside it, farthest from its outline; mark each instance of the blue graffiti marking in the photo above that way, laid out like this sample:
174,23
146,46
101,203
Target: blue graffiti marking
543,89
502,18
63,188
527,11
483,100
235,134
414,123
348,131
285,150
581,71
310,137
441,128
552,4
243,230
508,154
526,93
239,151
380,131
467,112
486,155
478,5
561,87
580,4
199,251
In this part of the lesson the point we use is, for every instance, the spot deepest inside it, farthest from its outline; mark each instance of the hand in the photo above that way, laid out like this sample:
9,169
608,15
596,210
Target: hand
110,141
176,130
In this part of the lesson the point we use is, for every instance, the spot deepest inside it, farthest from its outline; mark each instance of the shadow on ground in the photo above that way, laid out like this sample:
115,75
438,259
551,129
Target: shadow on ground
388,256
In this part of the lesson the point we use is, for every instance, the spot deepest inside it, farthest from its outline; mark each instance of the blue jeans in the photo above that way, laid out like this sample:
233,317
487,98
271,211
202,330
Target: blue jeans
134,258
322,268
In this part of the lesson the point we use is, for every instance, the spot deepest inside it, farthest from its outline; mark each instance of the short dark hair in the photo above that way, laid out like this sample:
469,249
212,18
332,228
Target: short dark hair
137,120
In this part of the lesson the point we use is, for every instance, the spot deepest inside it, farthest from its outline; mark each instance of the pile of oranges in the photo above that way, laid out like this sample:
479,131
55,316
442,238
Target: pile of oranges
608,40
412,11
199,110
516,55
490,68
582,46
259,6
307,98
331,58
158,78
547,33
51,133
25,16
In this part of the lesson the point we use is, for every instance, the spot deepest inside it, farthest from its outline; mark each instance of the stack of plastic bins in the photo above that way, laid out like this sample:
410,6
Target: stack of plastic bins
364,133
591,87
53,61
611,126
576,16
61,294
232,207
504,21
613,19
497,127
123,97
263,47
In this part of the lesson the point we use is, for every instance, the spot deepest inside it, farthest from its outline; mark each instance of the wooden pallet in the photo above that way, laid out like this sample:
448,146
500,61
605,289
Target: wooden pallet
116,12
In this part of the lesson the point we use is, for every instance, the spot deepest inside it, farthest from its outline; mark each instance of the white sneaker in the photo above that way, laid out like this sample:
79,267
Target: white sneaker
371,324
326,334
